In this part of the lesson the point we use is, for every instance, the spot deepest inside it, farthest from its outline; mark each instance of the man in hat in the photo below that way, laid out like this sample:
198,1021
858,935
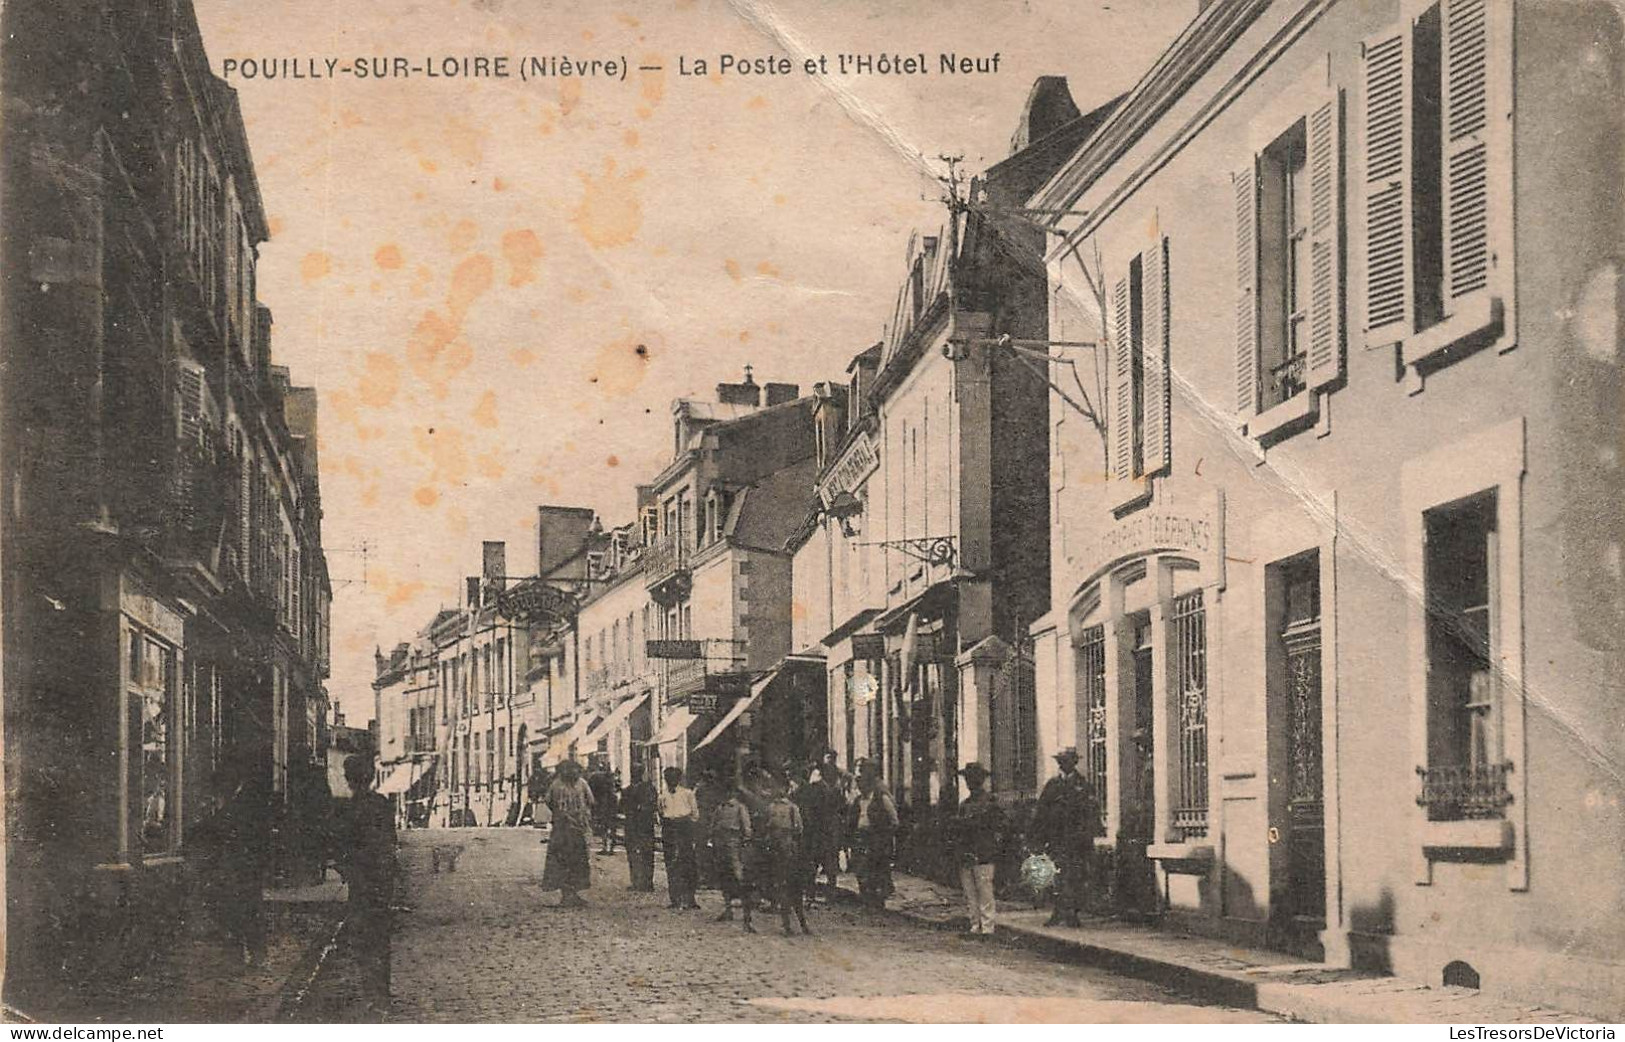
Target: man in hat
976,834
1066,823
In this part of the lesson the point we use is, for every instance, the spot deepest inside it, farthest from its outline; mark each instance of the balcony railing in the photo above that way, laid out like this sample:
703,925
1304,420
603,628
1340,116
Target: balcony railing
665,570
1465,793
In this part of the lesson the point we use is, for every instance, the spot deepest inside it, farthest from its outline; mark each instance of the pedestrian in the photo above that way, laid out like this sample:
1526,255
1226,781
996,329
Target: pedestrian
708,795
976,833
604,807
731,834
781,849
679,820
872,824
232,843
823,807
568,869
1066,823
366,861
640,805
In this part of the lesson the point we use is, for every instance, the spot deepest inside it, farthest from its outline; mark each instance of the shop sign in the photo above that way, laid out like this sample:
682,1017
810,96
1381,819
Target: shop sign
854,467
674,649
537,602
871,646
701,702
145,610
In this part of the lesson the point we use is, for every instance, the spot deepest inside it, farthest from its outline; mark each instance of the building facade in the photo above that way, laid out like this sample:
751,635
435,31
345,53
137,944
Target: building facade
166,602
926,552
1336,609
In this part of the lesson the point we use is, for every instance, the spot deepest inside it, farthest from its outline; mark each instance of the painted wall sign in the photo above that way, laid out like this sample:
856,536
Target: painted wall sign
855,465
1197,533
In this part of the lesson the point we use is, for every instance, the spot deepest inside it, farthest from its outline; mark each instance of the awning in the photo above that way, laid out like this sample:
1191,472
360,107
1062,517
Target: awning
397,781
673,728
928,603
615,719
560,746
738,708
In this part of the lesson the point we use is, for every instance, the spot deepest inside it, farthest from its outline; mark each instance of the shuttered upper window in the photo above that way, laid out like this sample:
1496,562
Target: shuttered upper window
1437,180
1289,272
1139,413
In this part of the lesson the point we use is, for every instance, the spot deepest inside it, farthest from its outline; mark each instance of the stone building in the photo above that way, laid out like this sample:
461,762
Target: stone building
166,601
926,552
1336,600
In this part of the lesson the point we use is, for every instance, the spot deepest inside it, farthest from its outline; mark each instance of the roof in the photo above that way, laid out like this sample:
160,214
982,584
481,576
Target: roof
768,513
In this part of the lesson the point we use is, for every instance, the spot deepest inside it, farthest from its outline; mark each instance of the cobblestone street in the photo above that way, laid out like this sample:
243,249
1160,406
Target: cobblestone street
486,944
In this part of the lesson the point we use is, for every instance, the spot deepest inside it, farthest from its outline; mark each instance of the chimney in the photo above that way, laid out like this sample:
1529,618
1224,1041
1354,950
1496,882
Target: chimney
778,394
746,393
1049,108
494,565
474,592
561,533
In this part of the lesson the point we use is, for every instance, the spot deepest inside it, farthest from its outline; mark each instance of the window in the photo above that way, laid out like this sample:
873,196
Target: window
1466,773
1283,243
1139,412
1189,692
1289,268
490,758
1438,242
152,683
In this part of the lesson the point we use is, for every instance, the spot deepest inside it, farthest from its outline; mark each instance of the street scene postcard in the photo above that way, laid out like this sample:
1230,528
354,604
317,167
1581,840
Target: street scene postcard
779,512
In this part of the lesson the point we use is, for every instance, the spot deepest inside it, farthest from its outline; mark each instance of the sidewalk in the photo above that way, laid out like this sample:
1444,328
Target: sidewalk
1246,978
200,977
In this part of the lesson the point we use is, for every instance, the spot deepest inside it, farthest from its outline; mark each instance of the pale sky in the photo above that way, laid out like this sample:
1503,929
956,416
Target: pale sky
465,269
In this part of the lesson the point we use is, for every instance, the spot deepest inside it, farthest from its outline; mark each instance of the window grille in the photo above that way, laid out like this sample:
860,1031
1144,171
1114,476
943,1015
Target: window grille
1190,692
1092,674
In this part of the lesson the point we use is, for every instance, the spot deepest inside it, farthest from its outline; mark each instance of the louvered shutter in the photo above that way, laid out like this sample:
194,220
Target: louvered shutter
1122,449
1465,33
191,410
1245,182
1154,329
1387,164
1323,166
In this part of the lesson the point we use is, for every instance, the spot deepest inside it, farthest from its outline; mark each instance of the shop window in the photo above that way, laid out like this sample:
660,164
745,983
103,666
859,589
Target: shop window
152,694
1466,773
1438,239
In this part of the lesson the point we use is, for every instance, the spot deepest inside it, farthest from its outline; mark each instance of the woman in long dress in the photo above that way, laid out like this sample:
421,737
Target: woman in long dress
568,869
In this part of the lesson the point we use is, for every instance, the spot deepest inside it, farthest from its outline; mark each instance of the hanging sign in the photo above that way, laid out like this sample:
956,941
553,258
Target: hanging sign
674,649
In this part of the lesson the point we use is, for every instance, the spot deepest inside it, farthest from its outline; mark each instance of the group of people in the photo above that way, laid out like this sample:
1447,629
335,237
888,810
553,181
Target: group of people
1063,829
769,837
766,839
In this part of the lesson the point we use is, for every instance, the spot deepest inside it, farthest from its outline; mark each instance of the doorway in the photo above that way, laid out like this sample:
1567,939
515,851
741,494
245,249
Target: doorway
1299,894
1137,878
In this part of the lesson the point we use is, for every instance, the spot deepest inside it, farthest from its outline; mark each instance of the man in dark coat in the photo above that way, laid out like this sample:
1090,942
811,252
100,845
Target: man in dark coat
640,806
366,860
1066,823
872,824
822,808
604,808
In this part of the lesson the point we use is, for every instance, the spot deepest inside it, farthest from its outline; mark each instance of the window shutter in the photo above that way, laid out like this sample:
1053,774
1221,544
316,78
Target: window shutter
1324,148
191,395
1465,33
1154,302
1388,281
1122,448
1245,182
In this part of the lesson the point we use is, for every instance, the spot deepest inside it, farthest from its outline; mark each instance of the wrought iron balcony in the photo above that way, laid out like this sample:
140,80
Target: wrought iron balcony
1465,793
665,571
